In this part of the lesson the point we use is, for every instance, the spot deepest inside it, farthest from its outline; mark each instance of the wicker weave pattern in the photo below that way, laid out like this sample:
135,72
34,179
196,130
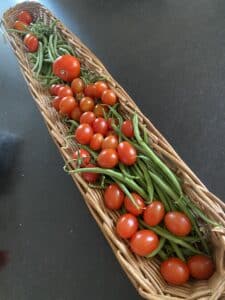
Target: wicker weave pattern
143,273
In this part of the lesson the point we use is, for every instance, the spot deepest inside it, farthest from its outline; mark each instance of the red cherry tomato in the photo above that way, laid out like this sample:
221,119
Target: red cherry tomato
31,42
174,271
83,134
67,105
57,87
107,158
127,153
177,223
66,67
76,113
55,102
201,267
131,207
110,141
90,90
77,85
111,122
52,90
89,176
113,197
64,91
87,104
154,213
25,17
18,25
100,110
143,242
127,226
83,155
96,141
100,126
127,129
109,97
87,117
101,86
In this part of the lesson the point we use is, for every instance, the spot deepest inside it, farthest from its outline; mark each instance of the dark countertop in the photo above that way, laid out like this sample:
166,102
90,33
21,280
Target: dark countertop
170,56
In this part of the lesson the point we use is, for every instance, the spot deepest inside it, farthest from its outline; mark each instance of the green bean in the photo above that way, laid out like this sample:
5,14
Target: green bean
166,234
51,46
115,175
158,249
127,193
126,173
149,185
162,255
145,136
55,44
155,158
162,198
64,50
92,152
40,59
37,60
50,55
177,250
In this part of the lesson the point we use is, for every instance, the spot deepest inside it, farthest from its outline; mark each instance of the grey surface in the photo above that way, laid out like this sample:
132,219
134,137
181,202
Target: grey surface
170,56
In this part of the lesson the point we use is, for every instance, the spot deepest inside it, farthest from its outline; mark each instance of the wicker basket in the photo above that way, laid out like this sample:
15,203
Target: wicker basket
143,273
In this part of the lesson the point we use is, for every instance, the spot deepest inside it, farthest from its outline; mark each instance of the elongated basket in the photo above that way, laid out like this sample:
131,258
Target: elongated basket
143,273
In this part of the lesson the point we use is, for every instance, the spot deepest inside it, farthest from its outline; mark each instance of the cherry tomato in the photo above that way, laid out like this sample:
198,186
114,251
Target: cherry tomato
101,86
113,197
90,177
200,267
174,271
25,17
31,42
112,121
84,155
100,109
127,153
110,141
177,223
77,85
64,91
57,87
109,97
52,90
18,25
111,132
143,242
83,134
67,105
130,207
87,104
107,158
100,125
87,117
96,141
90,90
76,113
127,129
154,213
55,102
66,67
127,226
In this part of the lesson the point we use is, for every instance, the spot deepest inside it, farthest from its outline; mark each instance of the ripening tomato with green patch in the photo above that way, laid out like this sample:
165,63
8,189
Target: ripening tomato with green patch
18,25
96,141
137,209
177,223
87,117
83,134
107,158
66,67
82,155
77,85
56,101
113,197
64,91
31,42
90,176
126,226
127,129
143,242
100,110
154,213
100,125
87,104
101,86
174,271
25,17
67,105
127,153
109,97
201,266
110,142
76,114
